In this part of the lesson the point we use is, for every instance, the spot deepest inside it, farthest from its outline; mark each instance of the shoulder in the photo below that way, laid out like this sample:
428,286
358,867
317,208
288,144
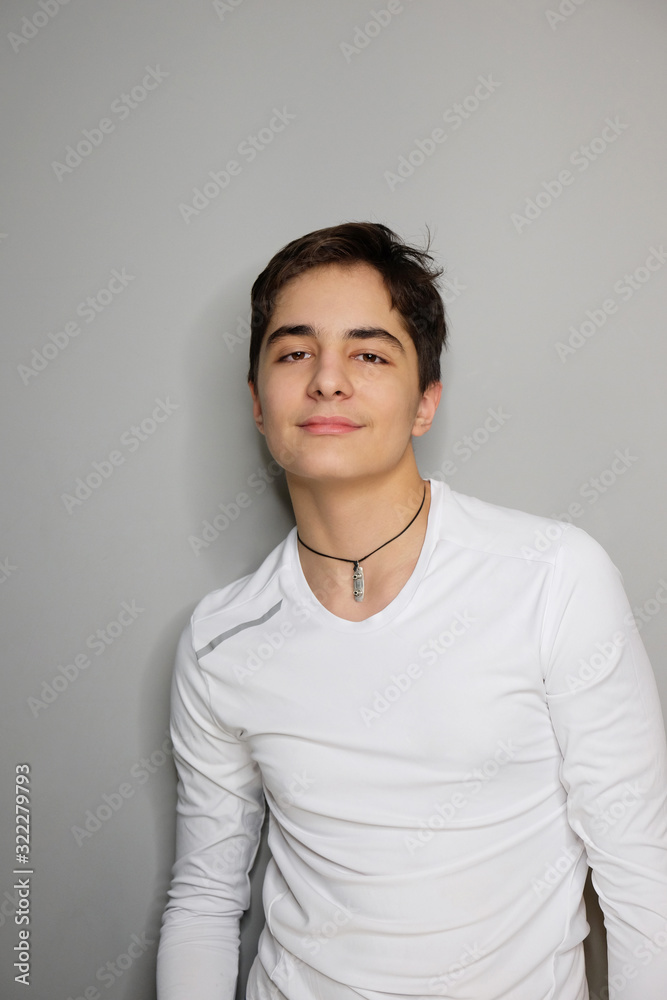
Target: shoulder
250,597
514,533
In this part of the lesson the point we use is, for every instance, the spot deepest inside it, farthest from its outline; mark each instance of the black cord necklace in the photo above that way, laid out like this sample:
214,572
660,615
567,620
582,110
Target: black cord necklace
358,573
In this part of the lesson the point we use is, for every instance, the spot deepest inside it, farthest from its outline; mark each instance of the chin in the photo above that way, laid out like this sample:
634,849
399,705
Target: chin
339,471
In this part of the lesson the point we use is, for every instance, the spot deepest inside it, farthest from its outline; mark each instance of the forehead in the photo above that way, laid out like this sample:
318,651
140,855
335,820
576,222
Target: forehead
340,293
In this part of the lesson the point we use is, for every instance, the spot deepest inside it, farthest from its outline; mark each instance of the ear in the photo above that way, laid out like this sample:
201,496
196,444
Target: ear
427,408
256,407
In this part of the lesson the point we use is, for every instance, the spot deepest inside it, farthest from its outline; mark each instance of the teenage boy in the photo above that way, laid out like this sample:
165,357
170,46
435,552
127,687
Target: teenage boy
445,703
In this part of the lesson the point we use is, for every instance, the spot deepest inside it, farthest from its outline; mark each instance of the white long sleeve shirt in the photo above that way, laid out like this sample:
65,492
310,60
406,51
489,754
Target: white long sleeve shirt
439,777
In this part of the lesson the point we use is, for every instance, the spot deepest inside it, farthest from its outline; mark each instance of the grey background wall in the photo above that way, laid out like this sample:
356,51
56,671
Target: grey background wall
529,136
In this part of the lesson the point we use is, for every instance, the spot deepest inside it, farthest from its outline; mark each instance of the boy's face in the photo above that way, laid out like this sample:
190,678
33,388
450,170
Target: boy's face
349,357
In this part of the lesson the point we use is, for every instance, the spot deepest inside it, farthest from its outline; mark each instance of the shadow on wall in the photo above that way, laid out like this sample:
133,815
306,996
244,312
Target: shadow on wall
253,920
595,945
158,844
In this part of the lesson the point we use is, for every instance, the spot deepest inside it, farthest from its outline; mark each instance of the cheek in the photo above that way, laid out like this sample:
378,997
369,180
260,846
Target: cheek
400,404
272,400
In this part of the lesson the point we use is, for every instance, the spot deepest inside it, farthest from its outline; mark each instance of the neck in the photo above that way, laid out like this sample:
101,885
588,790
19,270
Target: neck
349,518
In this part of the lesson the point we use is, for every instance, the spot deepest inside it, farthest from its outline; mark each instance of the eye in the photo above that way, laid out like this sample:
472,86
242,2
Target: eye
293,354
375,358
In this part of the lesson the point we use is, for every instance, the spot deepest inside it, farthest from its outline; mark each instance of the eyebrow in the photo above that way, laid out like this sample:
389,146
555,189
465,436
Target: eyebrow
356,333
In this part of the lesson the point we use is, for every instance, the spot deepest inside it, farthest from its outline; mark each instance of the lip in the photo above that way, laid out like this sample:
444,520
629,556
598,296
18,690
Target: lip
329,425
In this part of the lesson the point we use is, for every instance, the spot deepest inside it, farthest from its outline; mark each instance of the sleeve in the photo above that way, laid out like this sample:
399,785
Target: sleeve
606,714
220,810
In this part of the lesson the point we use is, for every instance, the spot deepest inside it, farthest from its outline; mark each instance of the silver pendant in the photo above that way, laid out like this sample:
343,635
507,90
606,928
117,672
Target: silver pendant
358,582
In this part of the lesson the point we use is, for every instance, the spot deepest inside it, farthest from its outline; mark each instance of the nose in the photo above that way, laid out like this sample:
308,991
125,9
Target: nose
329,378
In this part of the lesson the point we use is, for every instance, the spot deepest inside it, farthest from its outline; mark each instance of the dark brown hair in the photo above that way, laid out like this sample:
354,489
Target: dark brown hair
409,275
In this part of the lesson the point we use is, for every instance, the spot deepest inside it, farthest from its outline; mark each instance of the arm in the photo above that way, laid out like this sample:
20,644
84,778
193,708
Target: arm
607,718
219,818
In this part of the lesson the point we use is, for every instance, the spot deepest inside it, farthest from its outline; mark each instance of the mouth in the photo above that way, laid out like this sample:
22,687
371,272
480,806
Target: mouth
329,425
